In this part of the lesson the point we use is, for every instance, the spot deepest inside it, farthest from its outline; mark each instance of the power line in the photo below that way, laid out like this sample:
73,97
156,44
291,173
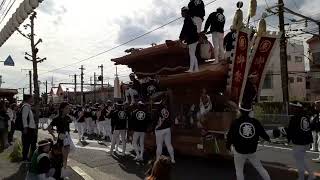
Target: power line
7,11
122,44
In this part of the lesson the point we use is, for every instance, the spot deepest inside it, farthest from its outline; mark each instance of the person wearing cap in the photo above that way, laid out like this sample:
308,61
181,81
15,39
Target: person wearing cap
119,122
163,129
190,36
228,41
243,136
197,12
299,133
216,22
62,124
40,162
140,119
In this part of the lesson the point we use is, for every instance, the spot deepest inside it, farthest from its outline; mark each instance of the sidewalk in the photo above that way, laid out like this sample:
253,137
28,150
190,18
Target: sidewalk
18,171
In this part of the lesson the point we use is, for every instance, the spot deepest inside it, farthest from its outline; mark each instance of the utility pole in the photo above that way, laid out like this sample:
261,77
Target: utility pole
94,87
101,79
30,83
101,67
75,87
283,58
81,77
35,60
46,101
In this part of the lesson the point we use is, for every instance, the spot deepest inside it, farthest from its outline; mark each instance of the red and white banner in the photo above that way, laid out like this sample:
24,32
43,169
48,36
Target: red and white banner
239,65
260,57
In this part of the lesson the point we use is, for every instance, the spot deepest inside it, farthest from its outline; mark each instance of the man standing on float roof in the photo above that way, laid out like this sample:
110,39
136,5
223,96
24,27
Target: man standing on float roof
197,13
190,36
216,22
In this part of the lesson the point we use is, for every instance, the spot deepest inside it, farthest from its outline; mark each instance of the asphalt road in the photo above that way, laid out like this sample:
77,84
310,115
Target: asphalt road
94,161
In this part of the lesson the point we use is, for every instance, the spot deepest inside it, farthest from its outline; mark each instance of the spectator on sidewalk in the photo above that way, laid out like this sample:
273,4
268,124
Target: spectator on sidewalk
197,13
40,162
29,133
62,122
12,112
161,169
216,22
4,119
190,36
299,133
243,135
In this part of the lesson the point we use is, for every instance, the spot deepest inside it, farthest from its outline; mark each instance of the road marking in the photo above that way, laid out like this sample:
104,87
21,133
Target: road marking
83,174
284,148
106,149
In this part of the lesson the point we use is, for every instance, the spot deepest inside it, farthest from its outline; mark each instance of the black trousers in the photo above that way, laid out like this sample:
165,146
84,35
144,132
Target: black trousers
29,143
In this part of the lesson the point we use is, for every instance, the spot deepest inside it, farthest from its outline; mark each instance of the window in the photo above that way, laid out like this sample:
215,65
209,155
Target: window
299,79
263,98
316,58
298,59
291,80
289,58
308,85
266,98
267,84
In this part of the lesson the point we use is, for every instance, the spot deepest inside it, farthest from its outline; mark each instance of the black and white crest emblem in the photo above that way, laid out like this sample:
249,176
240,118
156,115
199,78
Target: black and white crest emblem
220,17
304,124
140,115
165,113
247,130
151,89
197,2
121,115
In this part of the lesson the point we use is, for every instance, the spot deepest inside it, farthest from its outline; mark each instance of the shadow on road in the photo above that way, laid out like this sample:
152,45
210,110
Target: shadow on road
20,174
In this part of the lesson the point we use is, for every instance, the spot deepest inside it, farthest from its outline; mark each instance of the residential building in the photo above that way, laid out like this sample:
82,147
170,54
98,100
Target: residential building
272,87
66,92
314,57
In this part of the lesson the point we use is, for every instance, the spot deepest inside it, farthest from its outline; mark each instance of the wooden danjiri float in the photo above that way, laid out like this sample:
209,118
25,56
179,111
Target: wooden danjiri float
224,83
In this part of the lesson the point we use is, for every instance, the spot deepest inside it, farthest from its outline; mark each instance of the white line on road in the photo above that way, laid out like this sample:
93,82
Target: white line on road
83,174
106,149
284,148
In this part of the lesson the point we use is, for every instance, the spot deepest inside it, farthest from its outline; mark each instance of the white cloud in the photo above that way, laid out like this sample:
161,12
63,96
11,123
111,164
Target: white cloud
73,30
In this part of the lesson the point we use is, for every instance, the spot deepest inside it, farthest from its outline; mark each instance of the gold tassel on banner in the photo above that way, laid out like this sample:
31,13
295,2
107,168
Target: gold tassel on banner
252,8
262,26
238,17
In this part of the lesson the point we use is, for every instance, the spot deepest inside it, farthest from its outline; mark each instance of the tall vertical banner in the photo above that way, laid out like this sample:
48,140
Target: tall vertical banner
260,57
239,66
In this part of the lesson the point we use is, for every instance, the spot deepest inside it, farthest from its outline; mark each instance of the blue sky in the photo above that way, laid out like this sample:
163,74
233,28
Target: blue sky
73,30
